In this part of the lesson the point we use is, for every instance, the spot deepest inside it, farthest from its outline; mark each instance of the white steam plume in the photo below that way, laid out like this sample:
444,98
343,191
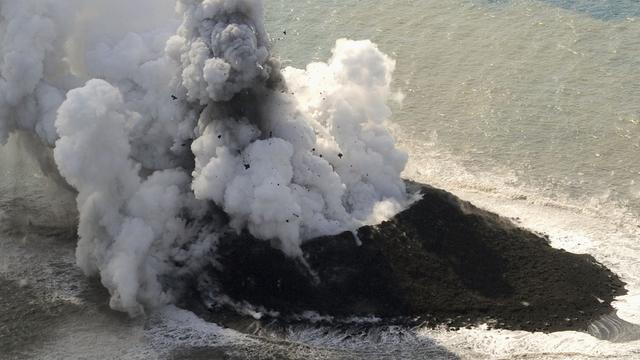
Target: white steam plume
33,75
170,131
131,229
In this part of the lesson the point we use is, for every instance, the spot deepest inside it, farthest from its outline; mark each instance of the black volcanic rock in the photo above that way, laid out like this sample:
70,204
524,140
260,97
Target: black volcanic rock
442,261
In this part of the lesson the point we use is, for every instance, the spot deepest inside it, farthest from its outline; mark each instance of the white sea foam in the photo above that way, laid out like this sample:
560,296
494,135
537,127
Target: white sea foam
601,228
455,100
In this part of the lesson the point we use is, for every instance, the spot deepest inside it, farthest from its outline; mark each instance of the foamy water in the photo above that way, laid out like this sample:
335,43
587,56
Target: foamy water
530,109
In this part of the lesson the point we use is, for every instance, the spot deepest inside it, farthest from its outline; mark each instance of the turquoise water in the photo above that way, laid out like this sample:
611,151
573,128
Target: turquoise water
602,9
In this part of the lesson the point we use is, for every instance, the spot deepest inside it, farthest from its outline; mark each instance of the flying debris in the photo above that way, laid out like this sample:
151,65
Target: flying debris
159,181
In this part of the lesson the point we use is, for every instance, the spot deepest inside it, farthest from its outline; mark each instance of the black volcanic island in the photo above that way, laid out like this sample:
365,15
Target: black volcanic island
442,261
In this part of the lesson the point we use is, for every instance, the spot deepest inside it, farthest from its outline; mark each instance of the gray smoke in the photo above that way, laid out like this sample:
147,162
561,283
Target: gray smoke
173,135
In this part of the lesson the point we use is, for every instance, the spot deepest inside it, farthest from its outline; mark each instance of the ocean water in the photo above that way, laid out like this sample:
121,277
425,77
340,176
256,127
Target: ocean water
528,108
546,91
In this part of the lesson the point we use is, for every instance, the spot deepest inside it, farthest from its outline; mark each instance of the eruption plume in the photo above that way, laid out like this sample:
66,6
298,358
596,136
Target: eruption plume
175,140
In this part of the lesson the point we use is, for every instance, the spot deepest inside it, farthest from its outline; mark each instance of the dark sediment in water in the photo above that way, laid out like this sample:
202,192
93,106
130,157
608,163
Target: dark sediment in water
442,261
614,329
25,320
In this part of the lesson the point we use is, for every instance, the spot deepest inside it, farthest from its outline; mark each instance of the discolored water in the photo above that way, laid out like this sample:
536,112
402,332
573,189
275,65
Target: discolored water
546,90
528,108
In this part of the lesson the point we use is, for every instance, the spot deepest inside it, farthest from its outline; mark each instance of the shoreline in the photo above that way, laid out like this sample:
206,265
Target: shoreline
443,261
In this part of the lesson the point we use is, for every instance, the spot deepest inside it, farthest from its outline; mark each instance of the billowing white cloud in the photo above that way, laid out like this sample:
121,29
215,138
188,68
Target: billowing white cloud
162,129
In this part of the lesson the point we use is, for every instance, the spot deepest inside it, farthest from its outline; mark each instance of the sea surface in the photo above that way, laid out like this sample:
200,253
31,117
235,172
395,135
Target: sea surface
529,108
